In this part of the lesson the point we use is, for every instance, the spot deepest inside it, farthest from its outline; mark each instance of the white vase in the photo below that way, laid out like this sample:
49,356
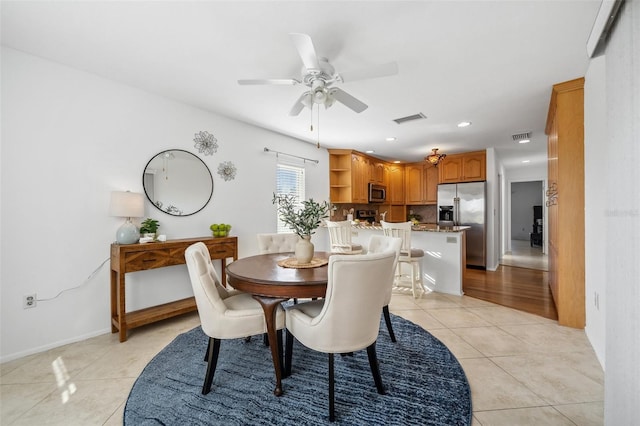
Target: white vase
304,249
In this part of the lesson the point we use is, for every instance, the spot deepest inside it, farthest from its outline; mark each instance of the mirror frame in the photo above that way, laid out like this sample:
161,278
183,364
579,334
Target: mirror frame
153,203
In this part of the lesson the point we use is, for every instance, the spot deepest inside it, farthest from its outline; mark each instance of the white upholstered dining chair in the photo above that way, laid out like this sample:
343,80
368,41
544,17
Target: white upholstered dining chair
334,325
224,314
409,256
277,243
340,238
379,244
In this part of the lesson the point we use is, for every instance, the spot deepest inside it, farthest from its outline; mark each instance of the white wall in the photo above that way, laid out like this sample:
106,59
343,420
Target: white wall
595,202
69,138
622,244
493,208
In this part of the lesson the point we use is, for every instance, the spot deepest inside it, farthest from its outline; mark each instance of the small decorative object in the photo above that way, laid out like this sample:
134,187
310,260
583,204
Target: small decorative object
205,143
149,227
227,170
220,229
303,219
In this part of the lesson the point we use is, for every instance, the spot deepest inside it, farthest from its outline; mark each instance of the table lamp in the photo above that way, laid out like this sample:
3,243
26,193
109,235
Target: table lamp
127,204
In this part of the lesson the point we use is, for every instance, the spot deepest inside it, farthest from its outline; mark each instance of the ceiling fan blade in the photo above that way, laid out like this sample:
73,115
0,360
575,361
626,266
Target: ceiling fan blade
375,71
276,81
307,52
303,100
348,100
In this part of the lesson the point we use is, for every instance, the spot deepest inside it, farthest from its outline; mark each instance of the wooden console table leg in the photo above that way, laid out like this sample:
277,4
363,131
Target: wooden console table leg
118,310
270,306
114,300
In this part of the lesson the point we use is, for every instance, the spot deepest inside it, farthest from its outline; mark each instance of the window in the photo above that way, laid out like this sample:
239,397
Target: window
289,180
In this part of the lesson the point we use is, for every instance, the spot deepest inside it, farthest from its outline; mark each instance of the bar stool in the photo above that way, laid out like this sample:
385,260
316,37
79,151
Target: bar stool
340,238
409,256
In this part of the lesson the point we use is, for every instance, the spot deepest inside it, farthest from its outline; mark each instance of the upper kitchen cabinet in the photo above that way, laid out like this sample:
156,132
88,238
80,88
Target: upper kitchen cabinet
348,176
395,188
421,184
378,172
359,178
466,167
565,201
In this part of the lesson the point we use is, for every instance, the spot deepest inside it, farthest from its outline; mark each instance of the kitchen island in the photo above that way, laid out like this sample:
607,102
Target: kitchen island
444,258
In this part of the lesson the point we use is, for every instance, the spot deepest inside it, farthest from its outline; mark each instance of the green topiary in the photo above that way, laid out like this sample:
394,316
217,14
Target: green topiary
303,220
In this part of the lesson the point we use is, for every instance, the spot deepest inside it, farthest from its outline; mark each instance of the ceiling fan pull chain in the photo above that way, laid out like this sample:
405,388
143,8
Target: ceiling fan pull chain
318,126
311,113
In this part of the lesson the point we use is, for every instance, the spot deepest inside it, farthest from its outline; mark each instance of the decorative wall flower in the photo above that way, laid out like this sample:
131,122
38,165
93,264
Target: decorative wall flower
205,143
227,170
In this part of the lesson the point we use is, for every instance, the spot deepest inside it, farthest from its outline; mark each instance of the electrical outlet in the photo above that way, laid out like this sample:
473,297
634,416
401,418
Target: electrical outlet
29,301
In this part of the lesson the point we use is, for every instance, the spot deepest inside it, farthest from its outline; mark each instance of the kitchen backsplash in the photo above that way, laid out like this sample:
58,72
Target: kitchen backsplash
427,214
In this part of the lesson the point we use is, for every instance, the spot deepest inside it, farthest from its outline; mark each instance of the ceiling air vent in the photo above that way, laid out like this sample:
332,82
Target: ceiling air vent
521,136
418,116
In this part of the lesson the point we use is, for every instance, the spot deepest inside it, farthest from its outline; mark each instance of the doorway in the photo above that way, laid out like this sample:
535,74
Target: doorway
525,230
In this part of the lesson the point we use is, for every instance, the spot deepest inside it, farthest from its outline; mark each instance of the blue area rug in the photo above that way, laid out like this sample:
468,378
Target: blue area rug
425,385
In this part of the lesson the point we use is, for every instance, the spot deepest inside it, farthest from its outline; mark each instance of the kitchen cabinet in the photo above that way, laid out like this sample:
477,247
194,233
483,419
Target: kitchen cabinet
359,179
378,172
466,167
395,188
421,184
348,177
565,201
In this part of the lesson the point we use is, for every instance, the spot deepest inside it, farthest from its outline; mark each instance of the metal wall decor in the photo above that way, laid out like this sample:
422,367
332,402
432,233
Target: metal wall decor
205,143
227,170
552,195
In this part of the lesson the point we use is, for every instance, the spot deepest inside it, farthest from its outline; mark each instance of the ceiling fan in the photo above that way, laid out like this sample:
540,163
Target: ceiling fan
319,75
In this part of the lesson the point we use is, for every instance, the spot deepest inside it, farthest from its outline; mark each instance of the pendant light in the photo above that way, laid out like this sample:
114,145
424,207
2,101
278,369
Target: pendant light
435,158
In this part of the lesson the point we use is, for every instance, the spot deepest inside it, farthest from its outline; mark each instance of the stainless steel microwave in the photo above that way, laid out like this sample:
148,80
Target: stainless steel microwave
377,193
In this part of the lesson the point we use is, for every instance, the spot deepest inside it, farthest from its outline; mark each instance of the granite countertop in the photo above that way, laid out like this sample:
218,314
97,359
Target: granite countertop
421,227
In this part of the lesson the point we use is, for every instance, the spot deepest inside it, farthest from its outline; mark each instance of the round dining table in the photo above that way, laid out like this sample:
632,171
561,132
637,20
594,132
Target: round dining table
271,284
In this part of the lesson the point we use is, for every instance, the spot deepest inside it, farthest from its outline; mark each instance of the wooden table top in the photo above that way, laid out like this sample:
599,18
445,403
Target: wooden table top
261,275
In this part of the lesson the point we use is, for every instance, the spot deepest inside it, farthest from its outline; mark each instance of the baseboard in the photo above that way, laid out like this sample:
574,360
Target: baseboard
44,348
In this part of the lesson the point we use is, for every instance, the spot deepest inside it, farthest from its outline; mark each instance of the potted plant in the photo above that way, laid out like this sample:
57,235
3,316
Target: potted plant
303,220
149,227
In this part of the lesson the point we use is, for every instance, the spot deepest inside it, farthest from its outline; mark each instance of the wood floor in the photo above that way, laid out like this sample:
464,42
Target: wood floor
518,288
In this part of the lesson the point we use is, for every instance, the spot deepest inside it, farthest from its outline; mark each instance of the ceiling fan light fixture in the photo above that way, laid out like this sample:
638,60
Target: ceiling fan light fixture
435,158
319,96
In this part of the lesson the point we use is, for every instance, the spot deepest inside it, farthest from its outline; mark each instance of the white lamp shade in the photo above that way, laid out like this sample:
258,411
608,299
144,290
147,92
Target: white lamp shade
126,204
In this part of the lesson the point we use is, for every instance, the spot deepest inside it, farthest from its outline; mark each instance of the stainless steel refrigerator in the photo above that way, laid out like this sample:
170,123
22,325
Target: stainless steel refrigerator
464,204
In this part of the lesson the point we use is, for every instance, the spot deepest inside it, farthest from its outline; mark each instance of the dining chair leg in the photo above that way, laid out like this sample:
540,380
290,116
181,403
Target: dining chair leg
387,320
206,354
283,368
332,415
212,361
288,353
375,370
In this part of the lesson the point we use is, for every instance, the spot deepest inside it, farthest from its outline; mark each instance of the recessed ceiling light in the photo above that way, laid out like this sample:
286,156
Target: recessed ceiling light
526,161
524,141
369,151
464,124
397,162
390,139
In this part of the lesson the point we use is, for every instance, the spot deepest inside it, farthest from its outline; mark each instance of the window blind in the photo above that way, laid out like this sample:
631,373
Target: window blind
289,181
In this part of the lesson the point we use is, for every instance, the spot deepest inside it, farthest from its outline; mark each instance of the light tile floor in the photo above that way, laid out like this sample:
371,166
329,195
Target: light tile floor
523,369
523,255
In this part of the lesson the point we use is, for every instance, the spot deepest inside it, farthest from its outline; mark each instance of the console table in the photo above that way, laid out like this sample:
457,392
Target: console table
127,258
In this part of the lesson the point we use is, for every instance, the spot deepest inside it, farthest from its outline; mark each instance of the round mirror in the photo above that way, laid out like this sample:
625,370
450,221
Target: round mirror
177,182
